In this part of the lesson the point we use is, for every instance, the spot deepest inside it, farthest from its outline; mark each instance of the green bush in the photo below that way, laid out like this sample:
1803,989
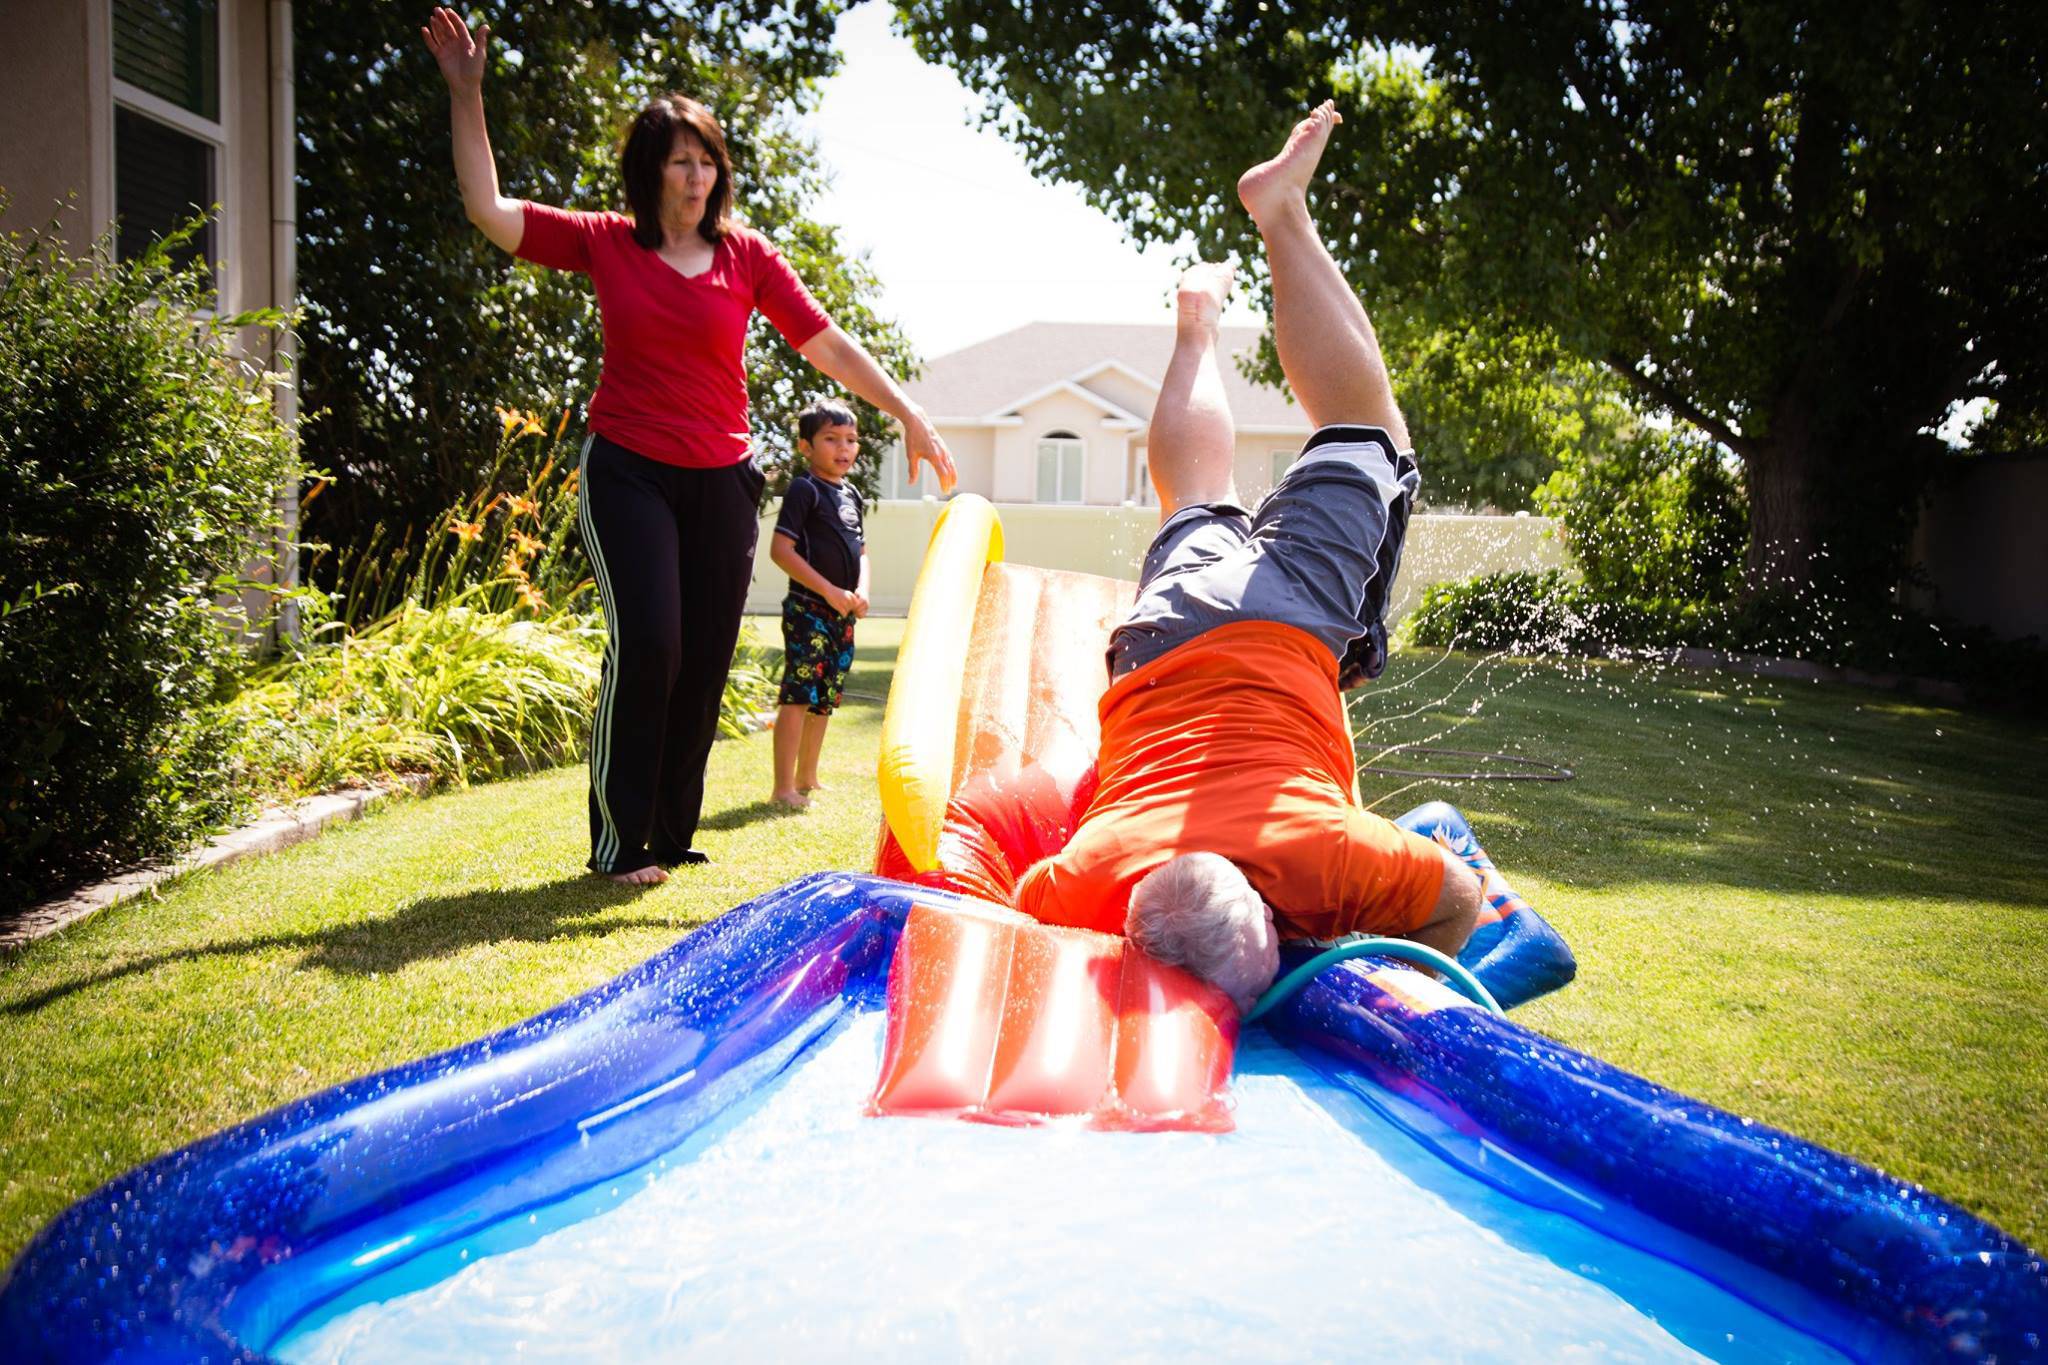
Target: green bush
1652,517
457,691
472,655
1552,613
138,451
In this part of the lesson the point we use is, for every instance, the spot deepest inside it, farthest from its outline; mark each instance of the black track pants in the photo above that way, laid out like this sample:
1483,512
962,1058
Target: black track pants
672,550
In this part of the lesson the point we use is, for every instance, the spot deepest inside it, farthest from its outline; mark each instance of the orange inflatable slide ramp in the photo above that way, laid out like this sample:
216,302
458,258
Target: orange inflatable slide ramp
988,759
996,1017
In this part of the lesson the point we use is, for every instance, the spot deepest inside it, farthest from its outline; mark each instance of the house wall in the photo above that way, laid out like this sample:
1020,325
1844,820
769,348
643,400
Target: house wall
1122,390
1102,461
1111,541
55,79
974,456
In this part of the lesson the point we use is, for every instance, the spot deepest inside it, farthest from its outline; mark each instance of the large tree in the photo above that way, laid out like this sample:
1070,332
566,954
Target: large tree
1809,230
417,329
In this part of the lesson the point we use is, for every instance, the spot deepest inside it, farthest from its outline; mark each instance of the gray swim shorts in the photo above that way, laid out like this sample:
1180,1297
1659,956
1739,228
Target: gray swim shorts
1319,555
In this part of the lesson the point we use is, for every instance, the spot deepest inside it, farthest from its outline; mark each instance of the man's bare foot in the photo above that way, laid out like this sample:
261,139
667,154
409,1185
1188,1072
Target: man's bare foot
639,876
1278,187
791,798
1202,289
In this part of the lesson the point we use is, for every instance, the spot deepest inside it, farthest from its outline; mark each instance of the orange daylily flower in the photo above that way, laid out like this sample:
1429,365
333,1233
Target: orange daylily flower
522,507
514,566
526,423
529,596
526,546
465,531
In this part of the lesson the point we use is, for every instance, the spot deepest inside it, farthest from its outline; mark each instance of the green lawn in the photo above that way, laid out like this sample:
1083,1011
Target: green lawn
1820,907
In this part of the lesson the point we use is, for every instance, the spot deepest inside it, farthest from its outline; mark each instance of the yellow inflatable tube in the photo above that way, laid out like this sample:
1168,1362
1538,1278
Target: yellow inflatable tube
918,729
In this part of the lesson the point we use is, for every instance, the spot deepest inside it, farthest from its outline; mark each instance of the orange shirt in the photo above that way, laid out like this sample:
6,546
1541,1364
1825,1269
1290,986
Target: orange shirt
1235,743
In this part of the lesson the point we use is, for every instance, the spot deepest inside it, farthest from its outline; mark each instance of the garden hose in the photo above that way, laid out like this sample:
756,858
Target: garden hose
1401,949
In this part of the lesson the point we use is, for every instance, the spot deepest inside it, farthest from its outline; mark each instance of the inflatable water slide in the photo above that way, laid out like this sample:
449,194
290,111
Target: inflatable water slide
753,1144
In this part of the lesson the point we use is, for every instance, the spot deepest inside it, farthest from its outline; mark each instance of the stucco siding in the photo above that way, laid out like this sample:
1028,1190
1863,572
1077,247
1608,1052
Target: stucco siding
53,92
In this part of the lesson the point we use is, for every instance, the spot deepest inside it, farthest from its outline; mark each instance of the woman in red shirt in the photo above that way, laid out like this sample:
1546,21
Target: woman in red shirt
669,492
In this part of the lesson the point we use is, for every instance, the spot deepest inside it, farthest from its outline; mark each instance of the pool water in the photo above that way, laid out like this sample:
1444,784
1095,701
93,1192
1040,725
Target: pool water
798,1228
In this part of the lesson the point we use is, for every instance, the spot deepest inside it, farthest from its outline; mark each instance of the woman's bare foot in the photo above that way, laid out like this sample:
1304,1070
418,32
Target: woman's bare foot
1278,187
639,876
807,788
1202,289
791,798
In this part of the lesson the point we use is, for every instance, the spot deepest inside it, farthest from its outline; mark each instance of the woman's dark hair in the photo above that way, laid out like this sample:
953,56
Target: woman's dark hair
645,156
826,412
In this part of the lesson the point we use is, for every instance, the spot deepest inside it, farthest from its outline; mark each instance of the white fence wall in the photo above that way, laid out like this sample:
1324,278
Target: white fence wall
1111,540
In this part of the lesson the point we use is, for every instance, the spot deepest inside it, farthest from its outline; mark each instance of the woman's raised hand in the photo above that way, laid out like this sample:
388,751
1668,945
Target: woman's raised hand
921,442
460,54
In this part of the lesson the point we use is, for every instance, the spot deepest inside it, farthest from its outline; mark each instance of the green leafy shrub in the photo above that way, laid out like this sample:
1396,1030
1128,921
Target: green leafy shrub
1650,517
473,655
511,543
456,690
1551,612
138,451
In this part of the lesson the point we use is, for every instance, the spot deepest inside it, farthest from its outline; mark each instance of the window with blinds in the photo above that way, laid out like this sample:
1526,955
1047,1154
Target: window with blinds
171,48
162,177
168,135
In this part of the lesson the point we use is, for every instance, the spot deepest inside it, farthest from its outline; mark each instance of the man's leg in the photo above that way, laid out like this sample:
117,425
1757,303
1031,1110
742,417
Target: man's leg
1192,446
1326,343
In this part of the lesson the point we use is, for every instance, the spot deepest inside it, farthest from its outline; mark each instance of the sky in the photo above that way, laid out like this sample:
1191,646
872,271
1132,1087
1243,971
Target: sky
966,242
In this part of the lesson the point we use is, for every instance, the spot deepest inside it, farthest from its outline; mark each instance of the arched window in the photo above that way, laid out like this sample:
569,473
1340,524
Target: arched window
1059,467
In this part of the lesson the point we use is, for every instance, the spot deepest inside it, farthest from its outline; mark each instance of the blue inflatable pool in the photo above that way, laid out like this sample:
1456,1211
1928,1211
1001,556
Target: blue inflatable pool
1713,1235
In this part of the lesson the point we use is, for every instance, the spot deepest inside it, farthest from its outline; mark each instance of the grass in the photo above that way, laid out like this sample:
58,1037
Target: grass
1821,907
1816,906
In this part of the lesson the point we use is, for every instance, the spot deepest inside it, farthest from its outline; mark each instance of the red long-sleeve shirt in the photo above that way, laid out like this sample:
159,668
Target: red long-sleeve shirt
674,383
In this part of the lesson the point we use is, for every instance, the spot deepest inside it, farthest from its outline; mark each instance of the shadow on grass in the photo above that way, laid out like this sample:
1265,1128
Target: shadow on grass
739,817
437,926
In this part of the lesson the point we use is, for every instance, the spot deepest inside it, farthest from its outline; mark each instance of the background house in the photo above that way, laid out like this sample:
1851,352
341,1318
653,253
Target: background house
1049,420
1056,412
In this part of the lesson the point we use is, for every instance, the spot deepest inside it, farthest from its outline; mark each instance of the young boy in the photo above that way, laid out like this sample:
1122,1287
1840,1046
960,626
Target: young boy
818,543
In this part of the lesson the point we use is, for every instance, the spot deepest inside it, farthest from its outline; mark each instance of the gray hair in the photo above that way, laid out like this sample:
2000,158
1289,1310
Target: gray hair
1194,911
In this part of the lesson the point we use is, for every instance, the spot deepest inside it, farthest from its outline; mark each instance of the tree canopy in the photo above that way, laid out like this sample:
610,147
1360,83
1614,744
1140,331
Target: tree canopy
416,329
1807,230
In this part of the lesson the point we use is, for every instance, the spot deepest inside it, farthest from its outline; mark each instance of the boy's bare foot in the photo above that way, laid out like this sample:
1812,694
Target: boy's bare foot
639,876
793,799
1278,187
1202,289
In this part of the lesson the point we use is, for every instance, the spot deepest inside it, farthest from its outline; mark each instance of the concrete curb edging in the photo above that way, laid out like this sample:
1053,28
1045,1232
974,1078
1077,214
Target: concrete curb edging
280,827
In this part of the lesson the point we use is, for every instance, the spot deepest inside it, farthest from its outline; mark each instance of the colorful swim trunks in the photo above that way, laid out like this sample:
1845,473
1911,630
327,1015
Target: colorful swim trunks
817,650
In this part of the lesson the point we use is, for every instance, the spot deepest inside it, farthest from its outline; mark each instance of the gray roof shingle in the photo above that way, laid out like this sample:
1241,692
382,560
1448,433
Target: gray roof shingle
984,378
